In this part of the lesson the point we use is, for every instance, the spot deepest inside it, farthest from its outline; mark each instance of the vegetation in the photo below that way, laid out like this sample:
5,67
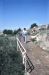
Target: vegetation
34,25
8,31
17,31
10,58
11,32
33,40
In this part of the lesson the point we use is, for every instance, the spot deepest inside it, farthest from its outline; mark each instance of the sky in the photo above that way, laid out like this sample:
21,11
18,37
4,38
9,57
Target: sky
16,14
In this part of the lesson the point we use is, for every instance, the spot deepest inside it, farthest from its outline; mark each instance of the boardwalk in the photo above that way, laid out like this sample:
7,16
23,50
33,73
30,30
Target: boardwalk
39,58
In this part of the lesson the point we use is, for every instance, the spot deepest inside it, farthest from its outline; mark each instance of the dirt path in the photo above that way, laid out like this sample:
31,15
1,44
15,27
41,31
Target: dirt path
39,58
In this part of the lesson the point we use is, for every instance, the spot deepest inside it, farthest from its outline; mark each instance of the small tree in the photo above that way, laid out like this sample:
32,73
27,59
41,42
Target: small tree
5,31
15,31
9,32
19,30
34,25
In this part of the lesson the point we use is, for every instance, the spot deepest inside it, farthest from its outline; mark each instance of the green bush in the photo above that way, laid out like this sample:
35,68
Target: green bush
10,58
33,40
7,31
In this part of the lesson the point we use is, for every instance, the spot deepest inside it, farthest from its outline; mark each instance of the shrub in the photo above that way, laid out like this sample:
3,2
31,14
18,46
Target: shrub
10,59
33,40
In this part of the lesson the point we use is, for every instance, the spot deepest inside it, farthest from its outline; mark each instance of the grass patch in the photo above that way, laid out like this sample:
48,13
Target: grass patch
10,58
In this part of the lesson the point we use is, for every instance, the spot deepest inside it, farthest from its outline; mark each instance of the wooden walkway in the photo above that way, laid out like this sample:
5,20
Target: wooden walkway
38,57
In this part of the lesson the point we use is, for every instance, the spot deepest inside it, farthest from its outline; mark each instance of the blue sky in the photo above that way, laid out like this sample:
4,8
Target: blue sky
22,13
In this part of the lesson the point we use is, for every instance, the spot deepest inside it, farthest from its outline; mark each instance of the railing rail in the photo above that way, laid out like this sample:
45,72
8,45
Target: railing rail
23,52
26,59
31,66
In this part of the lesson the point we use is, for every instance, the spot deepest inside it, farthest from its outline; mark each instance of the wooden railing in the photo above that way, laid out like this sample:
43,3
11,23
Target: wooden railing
26,59
23,52
31,66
